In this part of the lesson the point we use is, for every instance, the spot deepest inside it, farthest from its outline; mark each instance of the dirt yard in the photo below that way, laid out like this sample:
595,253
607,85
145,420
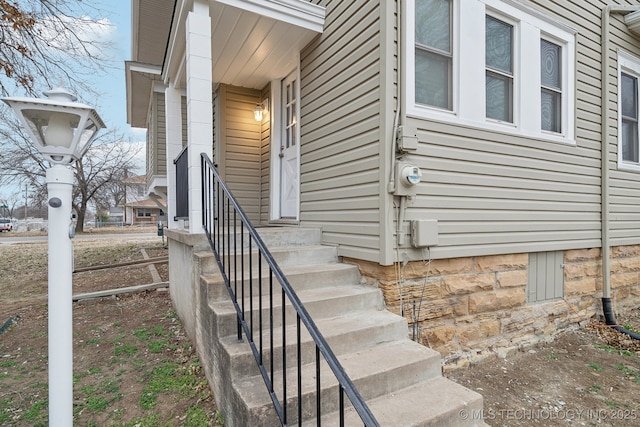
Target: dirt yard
134,366
586,377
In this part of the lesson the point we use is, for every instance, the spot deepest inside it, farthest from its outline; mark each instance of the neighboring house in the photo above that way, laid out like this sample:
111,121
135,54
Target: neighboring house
138,208
479,159
116,214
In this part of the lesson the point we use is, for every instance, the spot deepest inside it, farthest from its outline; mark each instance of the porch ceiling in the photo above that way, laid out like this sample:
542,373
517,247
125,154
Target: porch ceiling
253,42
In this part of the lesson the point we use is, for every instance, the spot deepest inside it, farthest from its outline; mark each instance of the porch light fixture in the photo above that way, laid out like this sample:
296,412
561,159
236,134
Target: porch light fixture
260,109
62,131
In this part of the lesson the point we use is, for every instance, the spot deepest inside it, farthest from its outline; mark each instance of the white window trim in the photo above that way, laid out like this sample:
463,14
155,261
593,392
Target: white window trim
529,27
628,64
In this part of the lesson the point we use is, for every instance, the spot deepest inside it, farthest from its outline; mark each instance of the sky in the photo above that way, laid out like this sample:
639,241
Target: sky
112,107
112,104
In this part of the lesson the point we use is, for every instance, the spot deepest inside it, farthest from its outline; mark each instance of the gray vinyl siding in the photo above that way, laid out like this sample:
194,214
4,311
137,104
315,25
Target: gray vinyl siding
498,193
624,207
156,154
340,136
240,136
265,162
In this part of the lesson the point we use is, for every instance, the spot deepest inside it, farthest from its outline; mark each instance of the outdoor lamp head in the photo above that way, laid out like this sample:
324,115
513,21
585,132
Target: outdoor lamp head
61,128
257,112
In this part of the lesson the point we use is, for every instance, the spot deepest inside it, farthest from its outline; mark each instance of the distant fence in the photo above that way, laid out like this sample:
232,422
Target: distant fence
32,224
101,224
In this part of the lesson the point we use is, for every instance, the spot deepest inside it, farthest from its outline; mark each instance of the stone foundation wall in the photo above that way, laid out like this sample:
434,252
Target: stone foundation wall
474,307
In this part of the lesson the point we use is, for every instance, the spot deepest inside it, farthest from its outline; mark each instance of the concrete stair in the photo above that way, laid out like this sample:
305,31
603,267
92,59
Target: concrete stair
400,379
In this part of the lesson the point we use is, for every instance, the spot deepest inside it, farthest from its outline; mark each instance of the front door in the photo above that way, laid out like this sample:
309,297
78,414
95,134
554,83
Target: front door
289,148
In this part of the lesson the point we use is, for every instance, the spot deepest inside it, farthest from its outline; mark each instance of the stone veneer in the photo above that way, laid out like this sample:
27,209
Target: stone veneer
475,307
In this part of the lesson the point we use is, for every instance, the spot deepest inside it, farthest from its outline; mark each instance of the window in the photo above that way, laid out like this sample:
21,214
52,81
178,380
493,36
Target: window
629,107
433,53
551,92
628,132
143,212
491,64
546,276
499,74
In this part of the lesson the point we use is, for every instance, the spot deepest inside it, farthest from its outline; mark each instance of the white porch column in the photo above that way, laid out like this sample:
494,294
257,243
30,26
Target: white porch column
173,114
199,103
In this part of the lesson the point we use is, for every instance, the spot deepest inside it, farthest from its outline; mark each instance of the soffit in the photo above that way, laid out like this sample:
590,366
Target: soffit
251,46
150,27
140,80
633,21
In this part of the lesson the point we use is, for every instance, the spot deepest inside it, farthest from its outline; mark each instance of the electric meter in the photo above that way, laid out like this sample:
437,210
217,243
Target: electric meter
411,175
407,176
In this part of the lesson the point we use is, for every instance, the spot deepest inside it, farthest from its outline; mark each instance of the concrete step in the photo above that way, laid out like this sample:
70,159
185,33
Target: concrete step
266,311
272,236
300,277
375,371
400,380
361,330
438,402
284,257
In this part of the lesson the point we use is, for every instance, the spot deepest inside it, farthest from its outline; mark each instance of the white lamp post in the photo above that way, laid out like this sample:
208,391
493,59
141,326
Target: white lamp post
62,131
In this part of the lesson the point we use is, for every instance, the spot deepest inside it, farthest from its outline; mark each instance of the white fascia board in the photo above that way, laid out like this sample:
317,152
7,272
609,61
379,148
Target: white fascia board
137,67
296,12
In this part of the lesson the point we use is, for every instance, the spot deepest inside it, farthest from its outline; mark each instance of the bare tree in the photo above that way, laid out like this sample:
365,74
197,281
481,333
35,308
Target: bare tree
100,170
50,43
45,44
9,205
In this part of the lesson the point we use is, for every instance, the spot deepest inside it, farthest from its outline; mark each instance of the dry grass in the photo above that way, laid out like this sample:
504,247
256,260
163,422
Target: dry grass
133,364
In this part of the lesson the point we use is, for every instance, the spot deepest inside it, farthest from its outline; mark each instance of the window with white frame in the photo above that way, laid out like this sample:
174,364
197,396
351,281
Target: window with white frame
433,54
143,212
628,132
551,86
492,64
499,73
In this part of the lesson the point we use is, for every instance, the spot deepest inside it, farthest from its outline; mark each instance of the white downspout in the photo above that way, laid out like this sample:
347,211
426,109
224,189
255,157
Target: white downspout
604,185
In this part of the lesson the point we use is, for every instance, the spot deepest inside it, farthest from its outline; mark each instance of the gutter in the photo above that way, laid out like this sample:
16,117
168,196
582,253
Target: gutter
604,154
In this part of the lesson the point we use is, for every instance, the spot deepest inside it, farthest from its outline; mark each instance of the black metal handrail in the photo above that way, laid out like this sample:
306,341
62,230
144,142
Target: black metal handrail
225,222
182,184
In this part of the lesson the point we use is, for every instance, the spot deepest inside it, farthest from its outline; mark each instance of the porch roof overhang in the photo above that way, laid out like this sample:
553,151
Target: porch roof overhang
140,79
253,42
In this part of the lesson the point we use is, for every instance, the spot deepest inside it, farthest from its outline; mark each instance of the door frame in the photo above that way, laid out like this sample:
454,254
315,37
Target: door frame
276,138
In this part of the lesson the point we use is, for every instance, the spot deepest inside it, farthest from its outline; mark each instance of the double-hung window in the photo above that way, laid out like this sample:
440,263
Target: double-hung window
499,73
433,53
491,64
551,86
628,132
